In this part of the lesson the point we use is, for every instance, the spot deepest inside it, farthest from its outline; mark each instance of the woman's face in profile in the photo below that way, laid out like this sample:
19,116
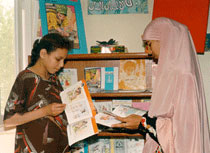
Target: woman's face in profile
154,48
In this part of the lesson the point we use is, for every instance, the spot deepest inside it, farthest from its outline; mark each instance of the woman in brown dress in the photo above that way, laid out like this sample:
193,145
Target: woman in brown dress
34,106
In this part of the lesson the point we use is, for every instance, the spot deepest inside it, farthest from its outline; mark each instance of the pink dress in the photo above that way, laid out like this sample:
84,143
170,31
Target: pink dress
178,99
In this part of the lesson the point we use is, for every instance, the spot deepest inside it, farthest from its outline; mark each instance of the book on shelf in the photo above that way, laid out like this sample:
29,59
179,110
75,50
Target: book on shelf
115,145
132,74
80,147
103,106
117,102
144,104
95,146
93,78
107,118
109,78
119,146
67,77
108,145
80,112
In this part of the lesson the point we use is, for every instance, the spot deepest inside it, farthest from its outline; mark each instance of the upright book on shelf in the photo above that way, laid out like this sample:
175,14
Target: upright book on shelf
93,78
132,74
80,112
68,77
109,78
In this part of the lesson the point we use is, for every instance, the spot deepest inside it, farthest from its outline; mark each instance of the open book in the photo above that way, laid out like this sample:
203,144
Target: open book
80,112
107,118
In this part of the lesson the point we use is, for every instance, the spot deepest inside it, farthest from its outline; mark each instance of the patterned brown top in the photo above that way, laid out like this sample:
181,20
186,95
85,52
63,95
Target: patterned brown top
44,135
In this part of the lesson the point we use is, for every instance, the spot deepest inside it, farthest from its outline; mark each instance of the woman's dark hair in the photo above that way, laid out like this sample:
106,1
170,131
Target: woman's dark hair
50,42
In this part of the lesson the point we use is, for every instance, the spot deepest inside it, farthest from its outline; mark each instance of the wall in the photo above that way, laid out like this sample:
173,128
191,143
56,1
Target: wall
205,65
125,28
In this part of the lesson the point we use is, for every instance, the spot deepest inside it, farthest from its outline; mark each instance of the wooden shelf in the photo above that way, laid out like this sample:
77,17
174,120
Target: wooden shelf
82,61
109,134
109,56
121,94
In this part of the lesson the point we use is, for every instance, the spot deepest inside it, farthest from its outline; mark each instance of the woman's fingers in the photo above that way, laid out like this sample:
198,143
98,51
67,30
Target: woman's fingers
55,109
119,125
122,119
130,122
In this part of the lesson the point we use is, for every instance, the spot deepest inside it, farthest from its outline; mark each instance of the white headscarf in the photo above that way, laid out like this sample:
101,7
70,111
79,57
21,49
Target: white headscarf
178,99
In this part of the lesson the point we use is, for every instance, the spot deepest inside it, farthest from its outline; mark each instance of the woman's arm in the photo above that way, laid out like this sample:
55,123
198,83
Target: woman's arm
53,109
144,124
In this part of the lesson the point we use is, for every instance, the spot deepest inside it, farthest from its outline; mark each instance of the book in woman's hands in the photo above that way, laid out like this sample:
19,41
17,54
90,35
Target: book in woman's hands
107,118
80,112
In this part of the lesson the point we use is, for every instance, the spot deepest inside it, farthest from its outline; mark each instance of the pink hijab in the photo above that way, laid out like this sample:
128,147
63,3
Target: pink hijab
178,99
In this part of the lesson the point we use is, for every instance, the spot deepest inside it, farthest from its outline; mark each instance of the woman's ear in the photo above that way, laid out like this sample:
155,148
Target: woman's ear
43,53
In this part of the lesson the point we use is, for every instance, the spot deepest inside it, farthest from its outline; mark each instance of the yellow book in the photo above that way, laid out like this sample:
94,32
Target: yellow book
132,74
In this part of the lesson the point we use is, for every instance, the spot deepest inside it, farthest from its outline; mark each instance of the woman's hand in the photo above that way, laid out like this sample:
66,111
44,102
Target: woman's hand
129,122
54,109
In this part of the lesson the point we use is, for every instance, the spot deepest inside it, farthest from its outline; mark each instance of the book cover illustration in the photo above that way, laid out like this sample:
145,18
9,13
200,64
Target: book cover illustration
64,17
80,112
93,78
68,77
132,74
109,78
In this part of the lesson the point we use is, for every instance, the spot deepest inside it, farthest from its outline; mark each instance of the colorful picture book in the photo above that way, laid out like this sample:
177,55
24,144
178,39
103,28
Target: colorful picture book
93,78
132,74
80,112
68,77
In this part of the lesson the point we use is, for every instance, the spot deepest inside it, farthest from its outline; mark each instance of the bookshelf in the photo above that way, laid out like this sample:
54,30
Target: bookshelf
81,61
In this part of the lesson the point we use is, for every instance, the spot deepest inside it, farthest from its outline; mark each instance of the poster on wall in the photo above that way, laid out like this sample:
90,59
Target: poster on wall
117,7
64,17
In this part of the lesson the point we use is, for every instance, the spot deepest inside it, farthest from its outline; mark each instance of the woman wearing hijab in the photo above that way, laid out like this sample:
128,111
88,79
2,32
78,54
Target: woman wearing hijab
177,119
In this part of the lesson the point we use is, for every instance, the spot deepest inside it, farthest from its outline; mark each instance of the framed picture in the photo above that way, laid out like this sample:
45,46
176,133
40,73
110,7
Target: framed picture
65,17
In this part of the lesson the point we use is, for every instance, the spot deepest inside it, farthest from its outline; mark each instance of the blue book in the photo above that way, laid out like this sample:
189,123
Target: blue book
109,78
